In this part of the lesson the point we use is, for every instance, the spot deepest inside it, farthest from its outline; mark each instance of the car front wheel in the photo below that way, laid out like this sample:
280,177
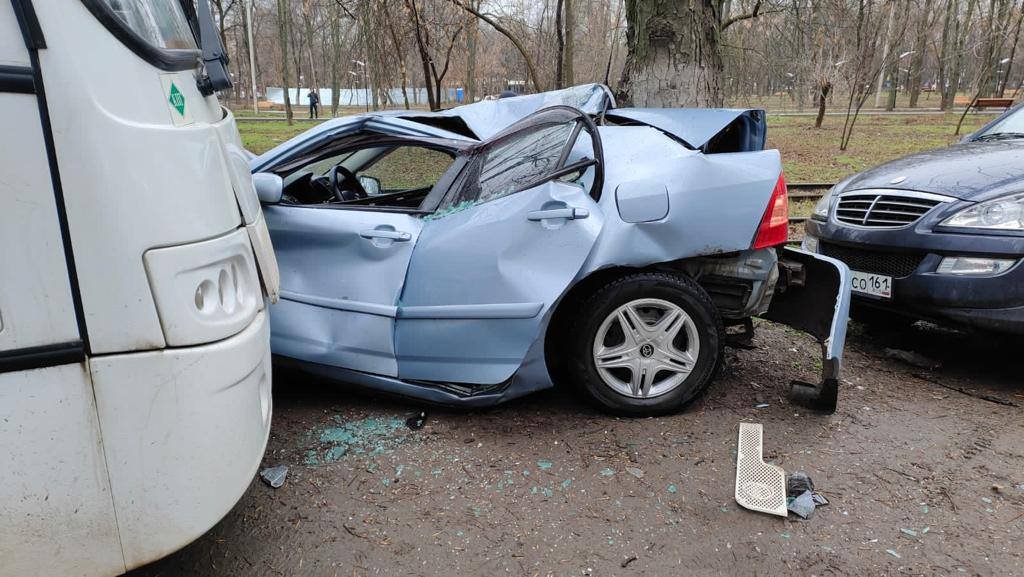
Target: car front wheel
646,344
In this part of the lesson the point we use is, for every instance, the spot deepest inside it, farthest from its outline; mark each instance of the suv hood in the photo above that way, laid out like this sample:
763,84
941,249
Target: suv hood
967,171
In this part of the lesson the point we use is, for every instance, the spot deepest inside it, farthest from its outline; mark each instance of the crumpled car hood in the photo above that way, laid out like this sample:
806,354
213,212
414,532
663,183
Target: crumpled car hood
488,117
966,171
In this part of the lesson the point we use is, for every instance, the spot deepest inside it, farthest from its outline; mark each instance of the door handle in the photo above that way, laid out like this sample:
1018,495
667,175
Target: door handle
569,212
394,235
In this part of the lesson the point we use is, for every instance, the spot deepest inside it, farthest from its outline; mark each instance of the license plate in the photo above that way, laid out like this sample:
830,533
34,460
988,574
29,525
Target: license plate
871,284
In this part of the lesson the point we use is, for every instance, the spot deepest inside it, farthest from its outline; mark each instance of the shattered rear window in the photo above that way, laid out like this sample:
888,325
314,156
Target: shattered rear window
510,166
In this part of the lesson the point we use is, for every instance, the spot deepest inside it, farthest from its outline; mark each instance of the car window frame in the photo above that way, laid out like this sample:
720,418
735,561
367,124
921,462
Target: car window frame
537,121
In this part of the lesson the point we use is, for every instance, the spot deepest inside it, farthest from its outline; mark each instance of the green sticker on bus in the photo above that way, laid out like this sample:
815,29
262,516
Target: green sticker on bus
177,100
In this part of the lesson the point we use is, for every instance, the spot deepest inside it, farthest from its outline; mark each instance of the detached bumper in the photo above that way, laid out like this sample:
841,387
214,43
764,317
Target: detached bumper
813,296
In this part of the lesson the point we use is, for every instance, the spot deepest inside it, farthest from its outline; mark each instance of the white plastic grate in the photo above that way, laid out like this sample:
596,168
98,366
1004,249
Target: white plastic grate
759,486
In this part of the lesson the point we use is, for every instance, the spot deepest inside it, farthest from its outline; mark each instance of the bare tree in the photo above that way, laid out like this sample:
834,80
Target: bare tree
282,30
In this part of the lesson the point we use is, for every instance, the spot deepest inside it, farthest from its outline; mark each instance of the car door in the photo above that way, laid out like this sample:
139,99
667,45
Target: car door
506,242
341,274
342,270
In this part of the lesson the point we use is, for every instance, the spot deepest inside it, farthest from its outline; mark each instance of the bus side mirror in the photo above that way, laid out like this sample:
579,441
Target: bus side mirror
215,57
268,187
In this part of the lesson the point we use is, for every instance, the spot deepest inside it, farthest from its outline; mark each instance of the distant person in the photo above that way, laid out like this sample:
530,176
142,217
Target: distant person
314,104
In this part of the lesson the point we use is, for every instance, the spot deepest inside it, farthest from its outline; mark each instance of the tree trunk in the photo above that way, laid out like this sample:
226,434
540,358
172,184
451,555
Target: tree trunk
421,46
885,54
314,86
962,31
282,32
944,68
335,58
569,78
917,58
400,55
824,87
999,23
471,35
673,56
560,47
1013,53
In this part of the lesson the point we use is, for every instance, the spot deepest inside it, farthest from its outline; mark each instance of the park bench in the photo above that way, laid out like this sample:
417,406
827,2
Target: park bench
982,103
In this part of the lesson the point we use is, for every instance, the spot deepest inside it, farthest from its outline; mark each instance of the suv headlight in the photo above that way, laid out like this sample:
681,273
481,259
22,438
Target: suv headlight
820,211
1006,213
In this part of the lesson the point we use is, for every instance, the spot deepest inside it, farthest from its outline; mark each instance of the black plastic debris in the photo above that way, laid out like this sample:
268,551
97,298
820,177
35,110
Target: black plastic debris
912,358
274,476
417,421
797,483
802,499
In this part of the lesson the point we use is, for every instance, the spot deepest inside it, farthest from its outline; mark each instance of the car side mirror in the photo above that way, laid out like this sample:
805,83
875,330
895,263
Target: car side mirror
269,187
370,184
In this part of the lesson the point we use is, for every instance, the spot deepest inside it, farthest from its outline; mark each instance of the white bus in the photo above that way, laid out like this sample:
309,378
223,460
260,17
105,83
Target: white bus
135,268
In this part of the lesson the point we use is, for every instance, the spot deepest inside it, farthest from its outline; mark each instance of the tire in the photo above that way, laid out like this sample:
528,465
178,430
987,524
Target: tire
677,355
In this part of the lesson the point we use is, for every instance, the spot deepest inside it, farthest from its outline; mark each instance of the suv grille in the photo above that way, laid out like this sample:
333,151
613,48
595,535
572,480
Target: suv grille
882,210
892,264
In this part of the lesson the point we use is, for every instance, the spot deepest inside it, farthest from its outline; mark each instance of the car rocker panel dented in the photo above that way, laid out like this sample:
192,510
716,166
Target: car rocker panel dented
477,254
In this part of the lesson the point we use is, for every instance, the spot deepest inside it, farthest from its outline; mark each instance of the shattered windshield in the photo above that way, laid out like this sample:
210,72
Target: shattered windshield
511,165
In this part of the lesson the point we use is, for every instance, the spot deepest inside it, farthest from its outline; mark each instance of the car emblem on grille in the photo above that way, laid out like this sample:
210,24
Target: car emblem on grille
897,180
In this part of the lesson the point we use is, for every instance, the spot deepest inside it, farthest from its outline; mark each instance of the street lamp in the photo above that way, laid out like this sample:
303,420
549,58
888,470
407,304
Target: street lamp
366,86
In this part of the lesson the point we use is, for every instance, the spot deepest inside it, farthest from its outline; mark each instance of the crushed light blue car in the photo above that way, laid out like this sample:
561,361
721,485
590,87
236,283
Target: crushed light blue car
477,254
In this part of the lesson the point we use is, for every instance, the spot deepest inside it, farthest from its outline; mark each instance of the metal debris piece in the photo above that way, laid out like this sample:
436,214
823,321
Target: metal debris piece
638,473
275,476
802,505
759,485
802,498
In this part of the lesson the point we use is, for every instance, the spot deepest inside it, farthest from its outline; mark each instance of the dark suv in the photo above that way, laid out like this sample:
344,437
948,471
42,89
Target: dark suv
937,235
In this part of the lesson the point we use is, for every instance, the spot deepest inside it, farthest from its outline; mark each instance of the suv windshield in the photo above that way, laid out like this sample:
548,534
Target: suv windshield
1010,127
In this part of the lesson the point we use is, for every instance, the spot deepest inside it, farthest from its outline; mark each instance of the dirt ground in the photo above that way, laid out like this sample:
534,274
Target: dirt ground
923,479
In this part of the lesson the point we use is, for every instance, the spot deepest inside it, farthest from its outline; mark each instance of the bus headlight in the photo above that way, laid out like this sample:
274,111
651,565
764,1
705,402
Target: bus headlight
205,291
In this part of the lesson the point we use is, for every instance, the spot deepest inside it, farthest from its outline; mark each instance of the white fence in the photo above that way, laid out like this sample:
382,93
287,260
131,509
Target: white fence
353,97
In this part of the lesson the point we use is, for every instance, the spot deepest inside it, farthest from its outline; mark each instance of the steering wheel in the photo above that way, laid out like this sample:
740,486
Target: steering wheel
348,187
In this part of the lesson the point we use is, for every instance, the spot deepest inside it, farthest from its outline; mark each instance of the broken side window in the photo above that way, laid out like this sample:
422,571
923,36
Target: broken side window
511,165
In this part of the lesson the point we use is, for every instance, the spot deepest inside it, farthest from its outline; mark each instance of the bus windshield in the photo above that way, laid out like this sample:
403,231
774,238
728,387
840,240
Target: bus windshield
161,23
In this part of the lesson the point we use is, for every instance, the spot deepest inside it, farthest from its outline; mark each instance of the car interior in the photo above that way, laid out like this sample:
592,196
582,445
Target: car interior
393,175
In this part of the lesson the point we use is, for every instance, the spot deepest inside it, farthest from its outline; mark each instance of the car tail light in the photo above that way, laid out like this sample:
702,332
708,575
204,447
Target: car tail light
774,228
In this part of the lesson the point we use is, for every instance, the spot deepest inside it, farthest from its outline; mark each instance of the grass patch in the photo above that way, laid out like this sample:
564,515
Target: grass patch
813,155
261,136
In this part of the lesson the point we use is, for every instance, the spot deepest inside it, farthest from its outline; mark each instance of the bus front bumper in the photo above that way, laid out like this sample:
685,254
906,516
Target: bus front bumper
184,430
